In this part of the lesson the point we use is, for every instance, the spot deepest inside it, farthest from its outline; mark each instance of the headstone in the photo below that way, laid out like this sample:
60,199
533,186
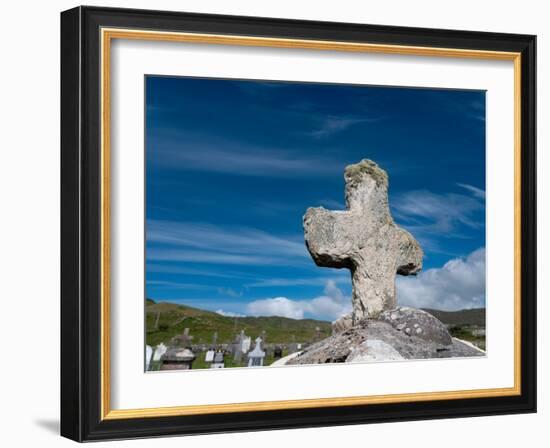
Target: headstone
186,339
148,356
277,352
256,356
241,346
292,347
209,357
214,339
177,359
365,240
183,340
218,362
246,343
159,351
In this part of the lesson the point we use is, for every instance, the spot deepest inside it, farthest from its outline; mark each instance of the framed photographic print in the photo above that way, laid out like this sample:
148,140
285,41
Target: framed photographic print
275,224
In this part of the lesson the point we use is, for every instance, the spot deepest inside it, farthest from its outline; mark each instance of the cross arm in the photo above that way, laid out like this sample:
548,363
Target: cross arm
409,260
326,237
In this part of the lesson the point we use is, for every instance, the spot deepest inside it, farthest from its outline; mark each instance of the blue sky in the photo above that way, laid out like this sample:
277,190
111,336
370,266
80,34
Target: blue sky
232,165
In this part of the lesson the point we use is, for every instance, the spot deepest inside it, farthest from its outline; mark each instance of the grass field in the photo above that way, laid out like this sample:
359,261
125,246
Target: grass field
166,320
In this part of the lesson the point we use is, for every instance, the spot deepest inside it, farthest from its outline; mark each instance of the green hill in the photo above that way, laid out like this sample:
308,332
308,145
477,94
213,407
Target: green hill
165,320
472,317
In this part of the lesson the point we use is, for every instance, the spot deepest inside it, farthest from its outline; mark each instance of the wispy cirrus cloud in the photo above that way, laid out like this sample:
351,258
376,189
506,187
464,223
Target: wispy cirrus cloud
158,268
230,292
329,125
477,192
207,243
342,278
176,285
190,151
211,257
434,217
427,211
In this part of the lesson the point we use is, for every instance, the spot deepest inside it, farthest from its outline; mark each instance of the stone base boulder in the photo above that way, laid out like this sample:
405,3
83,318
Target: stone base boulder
342,324
401,333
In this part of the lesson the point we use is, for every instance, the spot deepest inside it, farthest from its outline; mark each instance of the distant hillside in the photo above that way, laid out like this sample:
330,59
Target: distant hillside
475,316
165,320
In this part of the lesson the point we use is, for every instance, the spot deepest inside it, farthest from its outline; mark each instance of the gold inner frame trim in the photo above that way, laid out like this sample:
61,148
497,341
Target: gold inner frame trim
107,35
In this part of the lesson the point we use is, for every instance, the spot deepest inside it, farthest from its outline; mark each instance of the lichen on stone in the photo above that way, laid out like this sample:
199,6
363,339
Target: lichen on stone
354,173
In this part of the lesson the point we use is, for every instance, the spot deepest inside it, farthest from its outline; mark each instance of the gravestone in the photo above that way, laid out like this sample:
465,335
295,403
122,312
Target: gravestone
365,240
256,356
294,347
277,352
183,340
214,339
148,356
218,362
177,359
159,351
241,346
209,356
186,338
246,343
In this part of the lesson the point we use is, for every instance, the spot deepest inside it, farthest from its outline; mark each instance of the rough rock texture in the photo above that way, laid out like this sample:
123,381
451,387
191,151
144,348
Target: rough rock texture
365,240
373,350
416,322
342,324
387,339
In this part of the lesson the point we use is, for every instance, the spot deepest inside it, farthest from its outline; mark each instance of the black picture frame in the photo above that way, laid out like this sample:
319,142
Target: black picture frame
81,224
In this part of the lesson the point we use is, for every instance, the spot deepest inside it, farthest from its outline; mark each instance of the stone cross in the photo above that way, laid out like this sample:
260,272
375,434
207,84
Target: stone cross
365,240
214,339
184,339
256,356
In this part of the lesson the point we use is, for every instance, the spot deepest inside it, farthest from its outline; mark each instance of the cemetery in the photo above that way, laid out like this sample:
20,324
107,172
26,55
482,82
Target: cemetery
218,341
183,354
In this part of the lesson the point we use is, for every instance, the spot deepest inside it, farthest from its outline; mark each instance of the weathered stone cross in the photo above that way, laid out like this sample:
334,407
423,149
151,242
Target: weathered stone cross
365,240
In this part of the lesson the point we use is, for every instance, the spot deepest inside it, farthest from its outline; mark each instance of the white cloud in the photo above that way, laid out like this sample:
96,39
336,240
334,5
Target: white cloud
228,313
329,125
459,284
477,192
330,306
277,306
